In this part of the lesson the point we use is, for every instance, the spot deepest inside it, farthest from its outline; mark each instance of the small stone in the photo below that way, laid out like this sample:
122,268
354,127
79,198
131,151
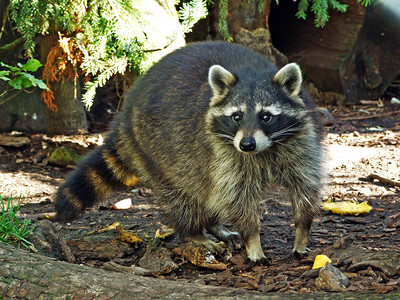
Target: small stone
64,156
326,116
158,260
14,141
331,279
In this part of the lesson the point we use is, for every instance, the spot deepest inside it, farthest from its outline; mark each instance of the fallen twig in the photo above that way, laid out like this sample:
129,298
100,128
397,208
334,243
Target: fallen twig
382,115
384,180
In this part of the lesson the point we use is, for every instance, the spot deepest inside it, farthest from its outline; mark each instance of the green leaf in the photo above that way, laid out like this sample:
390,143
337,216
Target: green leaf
31,65
5,78
16,83
42,85
13,69
26,82
28,76
4,73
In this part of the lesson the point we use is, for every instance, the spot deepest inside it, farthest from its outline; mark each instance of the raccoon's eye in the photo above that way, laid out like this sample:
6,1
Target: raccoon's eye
237,117
265,117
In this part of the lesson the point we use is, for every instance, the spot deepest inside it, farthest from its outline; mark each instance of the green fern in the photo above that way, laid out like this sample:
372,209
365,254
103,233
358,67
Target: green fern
223,20
365,2
191,12
109,33
320,8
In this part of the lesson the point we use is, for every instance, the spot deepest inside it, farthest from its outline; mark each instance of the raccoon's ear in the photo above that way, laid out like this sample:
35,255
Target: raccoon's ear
289,79
220,81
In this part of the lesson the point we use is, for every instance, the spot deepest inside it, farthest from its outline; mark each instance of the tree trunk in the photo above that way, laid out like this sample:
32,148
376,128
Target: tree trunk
32,276
70,117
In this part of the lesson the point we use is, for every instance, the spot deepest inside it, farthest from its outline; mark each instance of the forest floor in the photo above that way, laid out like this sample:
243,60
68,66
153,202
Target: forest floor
363,140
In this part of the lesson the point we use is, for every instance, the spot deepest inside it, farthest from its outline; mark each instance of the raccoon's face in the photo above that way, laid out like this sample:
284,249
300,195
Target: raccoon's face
254,115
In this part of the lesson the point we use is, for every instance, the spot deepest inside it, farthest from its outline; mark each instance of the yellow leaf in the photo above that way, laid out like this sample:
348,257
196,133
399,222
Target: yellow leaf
320,261
127,237
347,207
164,231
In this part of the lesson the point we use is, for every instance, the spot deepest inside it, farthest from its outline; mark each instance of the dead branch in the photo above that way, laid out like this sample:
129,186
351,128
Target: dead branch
384,180
382,115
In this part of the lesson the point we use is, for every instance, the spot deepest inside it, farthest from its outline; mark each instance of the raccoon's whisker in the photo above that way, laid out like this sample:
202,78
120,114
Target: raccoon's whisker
285,131
224,136
279,143
290,127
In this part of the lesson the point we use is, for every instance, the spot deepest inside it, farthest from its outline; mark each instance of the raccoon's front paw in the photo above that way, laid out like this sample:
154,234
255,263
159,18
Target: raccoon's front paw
263,261
297,255
210,245
224,234
214,247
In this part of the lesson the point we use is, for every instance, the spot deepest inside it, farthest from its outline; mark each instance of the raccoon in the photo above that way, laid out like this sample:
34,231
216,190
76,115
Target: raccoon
210,128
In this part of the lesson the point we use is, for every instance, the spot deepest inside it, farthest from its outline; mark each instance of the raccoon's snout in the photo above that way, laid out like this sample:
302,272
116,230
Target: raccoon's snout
247,144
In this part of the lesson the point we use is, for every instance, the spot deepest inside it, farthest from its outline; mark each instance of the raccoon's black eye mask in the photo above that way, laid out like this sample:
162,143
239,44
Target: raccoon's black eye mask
265,117
281,127
226,125
237,116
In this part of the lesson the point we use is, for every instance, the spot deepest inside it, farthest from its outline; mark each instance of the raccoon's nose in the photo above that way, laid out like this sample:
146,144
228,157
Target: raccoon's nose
247,144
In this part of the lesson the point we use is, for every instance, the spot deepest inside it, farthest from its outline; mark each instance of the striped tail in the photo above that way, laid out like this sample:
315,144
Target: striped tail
97,175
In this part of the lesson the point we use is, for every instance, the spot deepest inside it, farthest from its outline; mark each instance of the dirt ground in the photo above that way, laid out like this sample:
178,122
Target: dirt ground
358,144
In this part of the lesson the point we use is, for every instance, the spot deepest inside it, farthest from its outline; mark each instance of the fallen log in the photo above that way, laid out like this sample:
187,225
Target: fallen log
33,276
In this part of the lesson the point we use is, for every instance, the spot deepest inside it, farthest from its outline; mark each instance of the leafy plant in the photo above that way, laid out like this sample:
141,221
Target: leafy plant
97,38
191,12
320,8
12,230
19,77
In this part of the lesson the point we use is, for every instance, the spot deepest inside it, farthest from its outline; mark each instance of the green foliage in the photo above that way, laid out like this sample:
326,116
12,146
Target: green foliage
320,8
365,2
112,42
18,77
107,35
12,230
223,20
191,12
41,16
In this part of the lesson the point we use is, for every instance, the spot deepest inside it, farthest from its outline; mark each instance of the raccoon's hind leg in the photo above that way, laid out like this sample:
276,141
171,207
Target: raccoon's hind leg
189,218
201,239
96,176
222,233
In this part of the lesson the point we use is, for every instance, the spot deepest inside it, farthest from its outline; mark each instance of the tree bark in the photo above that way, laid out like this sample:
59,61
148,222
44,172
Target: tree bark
25,275
70,117
32,276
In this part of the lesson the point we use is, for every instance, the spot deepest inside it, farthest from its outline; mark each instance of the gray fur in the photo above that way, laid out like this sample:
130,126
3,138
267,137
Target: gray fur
169,135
